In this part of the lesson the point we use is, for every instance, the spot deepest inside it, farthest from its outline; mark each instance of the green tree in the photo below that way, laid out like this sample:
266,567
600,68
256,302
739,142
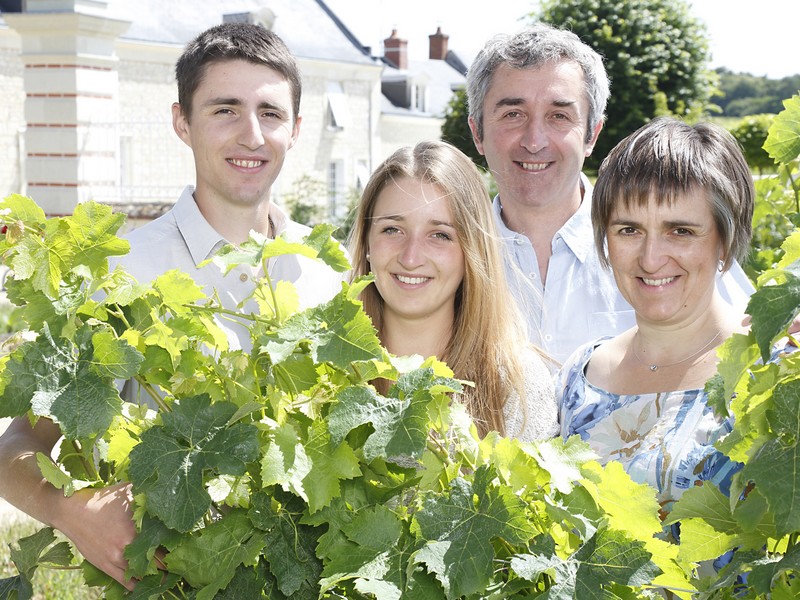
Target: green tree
751,133
303,201
455,128
655,52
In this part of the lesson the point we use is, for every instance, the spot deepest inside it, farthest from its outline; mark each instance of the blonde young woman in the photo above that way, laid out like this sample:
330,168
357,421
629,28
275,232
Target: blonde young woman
424,228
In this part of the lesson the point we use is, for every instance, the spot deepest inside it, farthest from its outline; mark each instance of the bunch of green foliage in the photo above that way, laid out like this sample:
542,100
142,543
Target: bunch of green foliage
655,53
281,472
455,128
777,209
751,132
744,94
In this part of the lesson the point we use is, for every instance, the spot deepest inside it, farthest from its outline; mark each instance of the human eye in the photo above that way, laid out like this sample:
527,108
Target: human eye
389,230
626,230
683,232
443,235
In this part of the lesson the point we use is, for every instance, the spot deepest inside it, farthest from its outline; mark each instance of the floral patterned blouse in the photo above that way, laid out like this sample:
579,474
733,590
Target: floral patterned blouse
663,439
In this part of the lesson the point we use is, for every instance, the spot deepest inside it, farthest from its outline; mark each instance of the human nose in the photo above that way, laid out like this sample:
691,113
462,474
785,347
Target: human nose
411,254
654,254
533,137
250,135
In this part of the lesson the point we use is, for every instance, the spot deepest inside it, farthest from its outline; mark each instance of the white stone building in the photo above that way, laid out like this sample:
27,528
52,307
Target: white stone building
88,86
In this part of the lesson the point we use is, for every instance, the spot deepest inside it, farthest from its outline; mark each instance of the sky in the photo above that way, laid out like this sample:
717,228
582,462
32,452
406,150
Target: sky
758,37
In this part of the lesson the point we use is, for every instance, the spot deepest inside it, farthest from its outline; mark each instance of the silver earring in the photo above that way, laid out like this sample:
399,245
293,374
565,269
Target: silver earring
367,256
721,265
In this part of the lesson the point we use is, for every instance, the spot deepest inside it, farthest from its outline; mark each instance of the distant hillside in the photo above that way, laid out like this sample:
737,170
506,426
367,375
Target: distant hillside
747,94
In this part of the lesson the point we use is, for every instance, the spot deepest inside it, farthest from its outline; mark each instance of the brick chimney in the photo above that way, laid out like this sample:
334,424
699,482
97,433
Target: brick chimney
438,45
395,50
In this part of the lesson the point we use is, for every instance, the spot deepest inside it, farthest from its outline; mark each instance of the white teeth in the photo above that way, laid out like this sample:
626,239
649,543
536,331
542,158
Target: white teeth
411,280
247,164
664,281
533,166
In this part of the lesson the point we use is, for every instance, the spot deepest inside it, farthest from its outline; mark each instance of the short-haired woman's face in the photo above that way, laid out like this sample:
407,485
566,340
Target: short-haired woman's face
665,258
415,252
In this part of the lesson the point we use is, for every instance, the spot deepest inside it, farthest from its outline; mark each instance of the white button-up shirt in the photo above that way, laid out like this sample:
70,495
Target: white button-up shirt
182,239
580,302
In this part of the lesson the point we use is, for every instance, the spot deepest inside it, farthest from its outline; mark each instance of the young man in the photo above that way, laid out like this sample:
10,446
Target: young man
238,101
536,106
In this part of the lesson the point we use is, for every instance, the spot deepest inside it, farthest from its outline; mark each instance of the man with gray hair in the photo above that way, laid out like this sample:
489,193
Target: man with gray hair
536,107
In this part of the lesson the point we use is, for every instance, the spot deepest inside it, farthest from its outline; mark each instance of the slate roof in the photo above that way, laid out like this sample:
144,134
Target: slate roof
308,27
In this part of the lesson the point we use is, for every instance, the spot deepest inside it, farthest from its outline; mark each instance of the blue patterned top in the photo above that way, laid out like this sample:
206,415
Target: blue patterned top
664,439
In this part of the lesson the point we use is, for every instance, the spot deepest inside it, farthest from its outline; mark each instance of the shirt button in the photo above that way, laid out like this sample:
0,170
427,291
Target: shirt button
243,277
548,338
533,275
518,241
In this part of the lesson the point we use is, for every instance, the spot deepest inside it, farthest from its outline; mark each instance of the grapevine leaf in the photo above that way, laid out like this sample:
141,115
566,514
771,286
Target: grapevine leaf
775,469
563,460
54,379
16,588
704,502
400,424
456,531
700,541
208,560
338,332
170,461
289,549
783,140
629,506
248,582
328,249
140,553
773,307
114,357
763,575
375,560
28,551
565,573
331,464
92,230
611,557
178,290
22,208
285,461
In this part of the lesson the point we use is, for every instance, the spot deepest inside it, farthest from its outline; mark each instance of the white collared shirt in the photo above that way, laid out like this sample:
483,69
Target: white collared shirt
580,302
182,239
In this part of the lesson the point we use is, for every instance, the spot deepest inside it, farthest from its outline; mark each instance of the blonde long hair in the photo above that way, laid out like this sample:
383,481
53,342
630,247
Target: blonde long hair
487,337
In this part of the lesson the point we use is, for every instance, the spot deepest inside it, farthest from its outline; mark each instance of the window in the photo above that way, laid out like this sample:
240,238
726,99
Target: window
336,187
338,116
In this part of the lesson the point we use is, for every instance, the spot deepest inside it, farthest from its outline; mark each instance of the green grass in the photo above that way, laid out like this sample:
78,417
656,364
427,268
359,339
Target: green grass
48,584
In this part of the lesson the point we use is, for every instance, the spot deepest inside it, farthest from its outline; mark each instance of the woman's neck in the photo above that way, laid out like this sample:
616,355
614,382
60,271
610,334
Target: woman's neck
426,337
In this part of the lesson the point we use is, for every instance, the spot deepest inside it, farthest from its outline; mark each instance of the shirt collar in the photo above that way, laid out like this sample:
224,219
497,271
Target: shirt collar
200,237
573,232
577,232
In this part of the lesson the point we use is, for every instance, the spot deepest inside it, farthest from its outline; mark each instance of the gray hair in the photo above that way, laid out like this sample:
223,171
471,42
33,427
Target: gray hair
532,48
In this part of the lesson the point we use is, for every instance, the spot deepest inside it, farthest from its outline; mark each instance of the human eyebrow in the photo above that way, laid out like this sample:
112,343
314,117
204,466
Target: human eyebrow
222,101
503,102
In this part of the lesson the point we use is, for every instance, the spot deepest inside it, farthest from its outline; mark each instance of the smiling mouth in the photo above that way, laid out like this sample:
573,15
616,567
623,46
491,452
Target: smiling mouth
533,166
657,282
411,280
245,164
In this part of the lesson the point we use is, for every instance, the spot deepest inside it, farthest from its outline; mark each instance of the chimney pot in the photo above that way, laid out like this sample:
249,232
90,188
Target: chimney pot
438,45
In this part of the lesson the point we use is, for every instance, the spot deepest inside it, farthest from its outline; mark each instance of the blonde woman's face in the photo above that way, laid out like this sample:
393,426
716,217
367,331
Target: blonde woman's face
415,252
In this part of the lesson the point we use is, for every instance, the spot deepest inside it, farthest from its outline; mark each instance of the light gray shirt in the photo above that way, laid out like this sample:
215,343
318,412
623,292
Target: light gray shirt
580,302
182,239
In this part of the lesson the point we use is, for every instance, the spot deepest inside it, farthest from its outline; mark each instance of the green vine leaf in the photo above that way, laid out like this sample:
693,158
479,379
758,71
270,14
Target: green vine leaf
170,462
456,531
289,548
783,140
773,307
775,469
209,560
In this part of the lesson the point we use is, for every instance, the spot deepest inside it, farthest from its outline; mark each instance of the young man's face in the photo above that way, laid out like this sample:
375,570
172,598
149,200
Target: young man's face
241,126
534,133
